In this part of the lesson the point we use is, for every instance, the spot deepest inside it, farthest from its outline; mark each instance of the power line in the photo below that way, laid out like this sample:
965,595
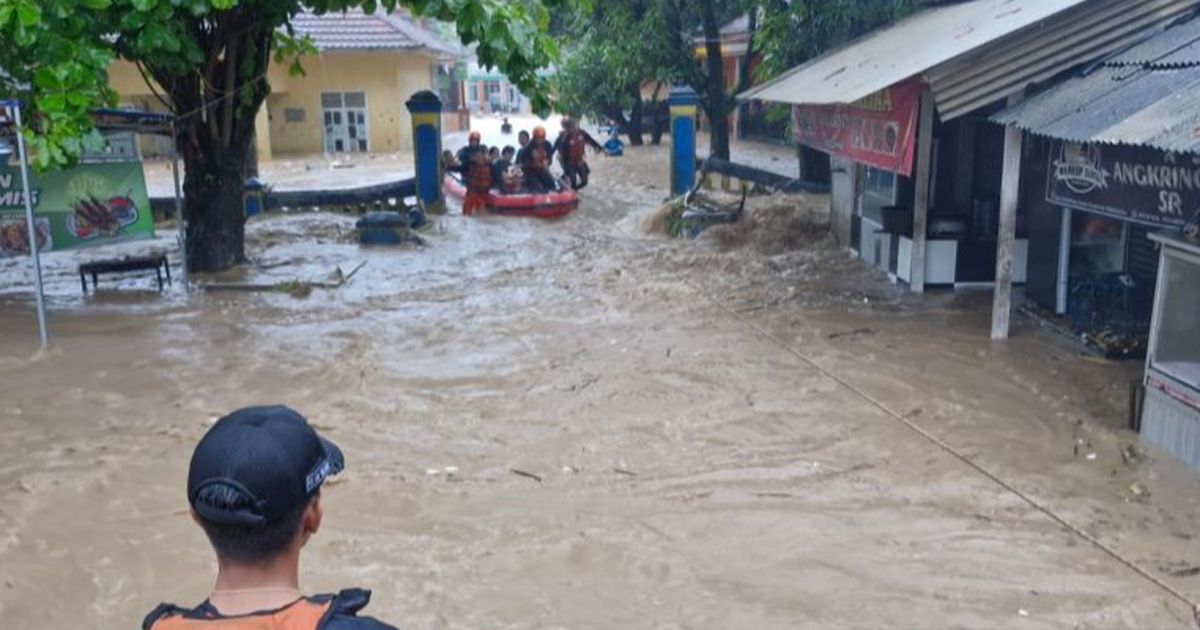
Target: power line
993,477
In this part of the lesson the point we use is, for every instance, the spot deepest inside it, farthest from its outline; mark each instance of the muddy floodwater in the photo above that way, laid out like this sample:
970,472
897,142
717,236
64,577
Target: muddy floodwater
580,425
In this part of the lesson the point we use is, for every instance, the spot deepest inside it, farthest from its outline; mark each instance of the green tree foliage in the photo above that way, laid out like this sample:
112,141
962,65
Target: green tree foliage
52,51
791,32
625,43
210,59
611,50
622,45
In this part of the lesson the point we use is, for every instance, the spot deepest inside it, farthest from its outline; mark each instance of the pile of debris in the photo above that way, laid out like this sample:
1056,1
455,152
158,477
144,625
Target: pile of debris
771,224
777,224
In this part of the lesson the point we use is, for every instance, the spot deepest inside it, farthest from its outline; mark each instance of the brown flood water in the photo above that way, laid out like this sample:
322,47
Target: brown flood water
693,473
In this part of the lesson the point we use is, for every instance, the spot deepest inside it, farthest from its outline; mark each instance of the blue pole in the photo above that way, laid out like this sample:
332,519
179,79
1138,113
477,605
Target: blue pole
426,110
684,104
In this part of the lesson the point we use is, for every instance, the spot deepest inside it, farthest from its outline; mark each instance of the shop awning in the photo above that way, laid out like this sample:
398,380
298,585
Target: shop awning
973,53
1148,95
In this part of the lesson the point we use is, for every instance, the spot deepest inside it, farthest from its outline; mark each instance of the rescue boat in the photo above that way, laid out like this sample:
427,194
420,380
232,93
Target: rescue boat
552,205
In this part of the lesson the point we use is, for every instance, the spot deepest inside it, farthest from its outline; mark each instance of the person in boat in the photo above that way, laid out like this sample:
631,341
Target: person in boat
501,165
449,162
476,171
493,154
254,487
522,139
535,161
506,127
571,146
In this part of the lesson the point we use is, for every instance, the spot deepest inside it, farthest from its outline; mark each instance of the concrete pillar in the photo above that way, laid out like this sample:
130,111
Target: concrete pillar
842,198
922,196
1006,235
684,103
426,110
1010,187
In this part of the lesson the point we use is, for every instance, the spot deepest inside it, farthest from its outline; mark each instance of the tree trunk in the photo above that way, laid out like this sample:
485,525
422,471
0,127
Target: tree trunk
635,120
745,80
624,125
251,167
218,102
658,122
214,208
716,102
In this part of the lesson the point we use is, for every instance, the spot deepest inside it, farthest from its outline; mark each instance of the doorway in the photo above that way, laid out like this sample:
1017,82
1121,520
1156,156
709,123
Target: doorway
345,117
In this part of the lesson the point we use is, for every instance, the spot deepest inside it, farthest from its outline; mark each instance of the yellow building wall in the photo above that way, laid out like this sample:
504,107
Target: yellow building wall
387,78
127,81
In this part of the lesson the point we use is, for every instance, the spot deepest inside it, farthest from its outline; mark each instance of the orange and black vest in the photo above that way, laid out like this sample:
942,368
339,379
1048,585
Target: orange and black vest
480,178
576,148
319,612
537,155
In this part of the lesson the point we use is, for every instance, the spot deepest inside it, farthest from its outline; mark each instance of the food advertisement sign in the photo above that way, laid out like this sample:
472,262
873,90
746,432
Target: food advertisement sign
91,204
1146,186
879,130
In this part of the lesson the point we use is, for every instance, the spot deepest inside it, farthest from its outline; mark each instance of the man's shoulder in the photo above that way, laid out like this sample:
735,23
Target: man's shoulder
343,612
340,622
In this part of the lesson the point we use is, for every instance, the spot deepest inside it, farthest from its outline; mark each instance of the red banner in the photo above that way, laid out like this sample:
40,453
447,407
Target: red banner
879,130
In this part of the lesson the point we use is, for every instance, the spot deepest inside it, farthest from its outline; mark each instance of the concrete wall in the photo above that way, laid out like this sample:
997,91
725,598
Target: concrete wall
388,79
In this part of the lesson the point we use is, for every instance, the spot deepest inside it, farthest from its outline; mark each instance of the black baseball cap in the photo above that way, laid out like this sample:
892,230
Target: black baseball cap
270,456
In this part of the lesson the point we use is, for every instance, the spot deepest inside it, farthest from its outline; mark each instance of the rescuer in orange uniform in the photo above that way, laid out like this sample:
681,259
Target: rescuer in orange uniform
571,145
477,174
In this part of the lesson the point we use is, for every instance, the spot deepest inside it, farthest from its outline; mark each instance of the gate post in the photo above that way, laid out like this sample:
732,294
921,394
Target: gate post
684,103
426,110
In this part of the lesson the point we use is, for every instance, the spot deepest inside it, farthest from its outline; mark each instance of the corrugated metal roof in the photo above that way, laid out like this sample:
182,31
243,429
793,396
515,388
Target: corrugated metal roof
907,48
1079,35
1123,103
355,30
1176,47
978,52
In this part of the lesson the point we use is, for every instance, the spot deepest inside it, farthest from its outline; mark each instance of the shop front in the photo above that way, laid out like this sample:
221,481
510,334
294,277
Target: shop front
919,175
963,200
1092,208
1171,411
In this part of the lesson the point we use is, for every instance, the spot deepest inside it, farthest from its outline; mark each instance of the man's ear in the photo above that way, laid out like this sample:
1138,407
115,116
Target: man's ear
310,521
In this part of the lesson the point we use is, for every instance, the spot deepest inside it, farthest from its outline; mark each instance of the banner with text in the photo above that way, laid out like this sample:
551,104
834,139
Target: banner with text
879,130
91,204
1137,184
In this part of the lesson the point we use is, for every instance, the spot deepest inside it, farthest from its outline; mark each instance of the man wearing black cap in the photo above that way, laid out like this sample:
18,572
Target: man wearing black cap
254,486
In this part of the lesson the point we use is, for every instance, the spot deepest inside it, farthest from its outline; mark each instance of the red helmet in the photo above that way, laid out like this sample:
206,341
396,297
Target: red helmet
474,137
539,133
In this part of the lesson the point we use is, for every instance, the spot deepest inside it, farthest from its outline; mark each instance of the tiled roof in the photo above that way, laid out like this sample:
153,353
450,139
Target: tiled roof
355,30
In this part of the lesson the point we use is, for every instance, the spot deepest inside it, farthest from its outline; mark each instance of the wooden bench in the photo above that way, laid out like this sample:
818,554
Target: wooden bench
124,265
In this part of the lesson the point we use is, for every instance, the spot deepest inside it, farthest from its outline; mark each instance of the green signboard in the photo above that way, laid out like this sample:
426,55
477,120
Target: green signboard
91,204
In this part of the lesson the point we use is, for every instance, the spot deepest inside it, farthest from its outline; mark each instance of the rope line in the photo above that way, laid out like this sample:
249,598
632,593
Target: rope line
993,477
228,95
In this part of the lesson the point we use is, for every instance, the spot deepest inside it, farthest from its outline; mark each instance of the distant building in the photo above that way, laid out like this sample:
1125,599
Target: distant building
351,99
490,92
